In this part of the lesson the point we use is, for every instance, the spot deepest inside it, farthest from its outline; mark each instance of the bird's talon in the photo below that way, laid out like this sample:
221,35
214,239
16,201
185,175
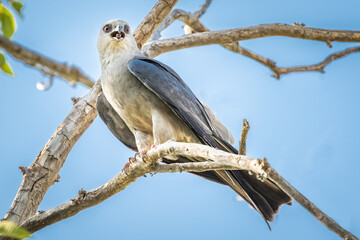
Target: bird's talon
132,160
126,166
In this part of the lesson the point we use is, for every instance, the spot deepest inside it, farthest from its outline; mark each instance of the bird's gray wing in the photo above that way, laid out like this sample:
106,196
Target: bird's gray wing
115,123
122,132
266,197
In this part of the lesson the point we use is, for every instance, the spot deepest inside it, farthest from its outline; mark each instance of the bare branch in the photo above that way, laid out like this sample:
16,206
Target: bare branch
151,22
139,168
202,9
174,14
155,48
45,65
184,16
216,160
196,26
86,199
43,172
319,67
308,205
243,136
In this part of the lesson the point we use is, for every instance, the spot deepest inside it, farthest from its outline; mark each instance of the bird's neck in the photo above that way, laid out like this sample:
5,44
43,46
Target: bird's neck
120,56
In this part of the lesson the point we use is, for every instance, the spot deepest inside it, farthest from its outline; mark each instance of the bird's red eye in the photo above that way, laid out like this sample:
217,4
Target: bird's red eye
107,28
126,29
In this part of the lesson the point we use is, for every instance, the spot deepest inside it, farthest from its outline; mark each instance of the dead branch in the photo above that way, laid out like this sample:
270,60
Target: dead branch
155,48
330,223
178,13
243,137
192,21
43,172
319,67
202,9
151,22
45,65
216,160
219,161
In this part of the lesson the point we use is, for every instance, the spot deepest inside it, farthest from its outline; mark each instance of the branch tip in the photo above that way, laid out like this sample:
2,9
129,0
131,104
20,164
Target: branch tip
24,170
75,99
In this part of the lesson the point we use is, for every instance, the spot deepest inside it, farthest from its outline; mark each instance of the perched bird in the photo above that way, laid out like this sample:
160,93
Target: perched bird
145,103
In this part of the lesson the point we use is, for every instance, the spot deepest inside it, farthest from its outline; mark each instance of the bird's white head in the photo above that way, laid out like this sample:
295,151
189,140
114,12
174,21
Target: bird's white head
115,36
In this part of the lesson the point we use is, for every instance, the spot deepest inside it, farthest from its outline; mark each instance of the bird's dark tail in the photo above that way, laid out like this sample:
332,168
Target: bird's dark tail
264,196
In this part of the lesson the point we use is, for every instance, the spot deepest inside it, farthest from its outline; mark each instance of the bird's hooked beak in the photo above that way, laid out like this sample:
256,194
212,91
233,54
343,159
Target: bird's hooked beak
118,34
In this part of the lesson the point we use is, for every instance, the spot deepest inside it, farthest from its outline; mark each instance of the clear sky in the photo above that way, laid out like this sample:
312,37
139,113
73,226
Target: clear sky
307,124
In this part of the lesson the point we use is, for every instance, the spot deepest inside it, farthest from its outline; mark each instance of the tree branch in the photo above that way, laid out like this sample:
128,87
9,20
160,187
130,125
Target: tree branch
309,206
43,172
202,9
243,136
216,160
183,15
85,199
45,65
192,21
151,22
319,67
155,48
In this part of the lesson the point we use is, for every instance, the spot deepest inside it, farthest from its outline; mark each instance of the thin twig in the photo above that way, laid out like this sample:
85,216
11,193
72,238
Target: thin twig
151,22
319,67
202,9
178,13
46,65
330,223
243,136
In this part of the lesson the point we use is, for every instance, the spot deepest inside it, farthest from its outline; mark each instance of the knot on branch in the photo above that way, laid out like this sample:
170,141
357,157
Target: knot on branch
261,165
75,100
24,170
81,196
57,179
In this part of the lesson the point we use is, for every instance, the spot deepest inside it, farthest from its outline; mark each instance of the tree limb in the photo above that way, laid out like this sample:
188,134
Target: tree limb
309,206
192,21
45,65
155,48
151,22
43,172
243,136
216,160
202,9
85,199
319,67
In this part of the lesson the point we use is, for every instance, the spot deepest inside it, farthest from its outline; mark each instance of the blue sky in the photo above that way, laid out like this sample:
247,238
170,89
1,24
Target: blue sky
306,124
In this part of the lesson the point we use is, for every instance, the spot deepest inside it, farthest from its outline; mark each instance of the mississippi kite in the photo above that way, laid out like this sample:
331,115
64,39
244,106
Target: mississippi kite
146,103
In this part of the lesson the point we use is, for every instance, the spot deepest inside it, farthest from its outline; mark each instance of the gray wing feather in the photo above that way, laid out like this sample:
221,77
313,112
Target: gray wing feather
170,88
115,123
122,132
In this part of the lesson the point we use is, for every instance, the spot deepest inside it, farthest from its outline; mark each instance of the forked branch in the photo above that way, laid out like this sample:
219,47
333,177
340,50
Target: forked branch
216,160
43,172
